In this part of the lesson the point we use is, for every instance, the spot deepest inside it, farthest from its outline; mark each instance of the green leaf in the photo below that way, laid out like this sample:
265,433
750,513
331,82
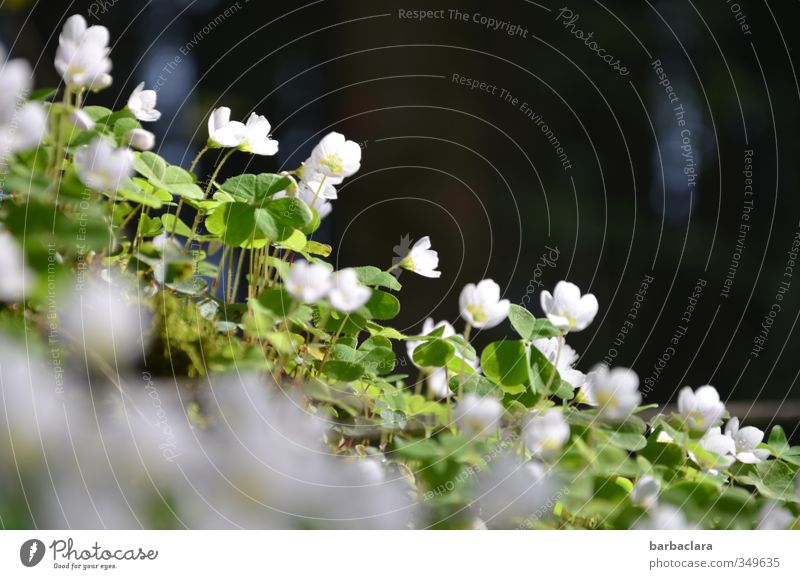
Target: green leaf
522,321
296,241
505,362
290,211
168,177
382,306
255,189
344,371
42,94
627,437
169,219
379,360
277,301
773,479
234,223
372,276
316,248
473,384
779,446
136,194
433,354
151,166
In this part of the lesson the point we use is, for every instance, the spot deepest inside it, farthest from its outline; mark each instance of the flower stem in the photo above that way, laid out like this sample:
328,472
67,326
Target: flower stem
333,342
199,215
555,364
467,330
319,190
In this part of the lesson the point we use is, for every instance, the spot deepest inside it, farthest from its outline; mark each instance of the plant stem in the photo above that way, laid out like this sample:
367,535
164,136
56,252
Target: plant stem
222,258
319,190
333,342
192,167
58,157
467,330
199,215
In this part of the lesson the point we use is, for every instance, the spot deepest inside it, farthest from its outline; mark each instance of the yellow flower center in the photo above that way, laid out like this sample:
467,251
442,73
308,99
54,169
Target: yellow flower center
407,263
334,163
570,319
477,312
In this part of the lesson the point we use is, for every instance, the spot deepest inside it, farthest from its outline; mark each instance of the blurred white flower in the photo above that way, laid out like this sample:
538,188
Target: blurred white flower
308,282
511,492
481,306
141,139
318,188
16,278
437,382
566,309
102,167
22,125
665,518
421,259
702,408
256,137
545,434
222,131
645,492
104,325
142,103
746,440
81,120
477,415
773,517
334,157
615,392
566,360
720,445
347,294
82,56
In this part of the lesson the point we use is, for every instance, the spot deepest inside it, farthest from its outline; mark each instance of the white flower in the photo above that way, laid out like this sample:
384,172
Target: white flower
250,138
24,132
511,492
318,188
422,259
335,157
481,305
566,360
141,139
746,440
82,120
437,382
566,309
22,125
308,282
347,294
16,278
142,103
256,137
103,167
720,445
82,55
645,492
702,409
478,416
222,131
615,392
665,518
546,434
322,206
773,517
104,325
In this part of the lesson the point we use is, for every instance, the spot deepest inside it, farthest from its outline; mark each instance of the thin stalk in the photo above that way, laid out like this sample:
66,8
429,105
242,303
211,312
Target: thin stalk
555,364
467,330
192,167
58,157
199,215
222,258
333,343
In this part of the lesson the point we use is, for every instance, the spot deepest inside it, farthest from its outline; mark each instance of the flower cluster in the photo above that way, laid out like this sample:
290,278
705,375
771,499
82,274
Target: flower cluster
302,418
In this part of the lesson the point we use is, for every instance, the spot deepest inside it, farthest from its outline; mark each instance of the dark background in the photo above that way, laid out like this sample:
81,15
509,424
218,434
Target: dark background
480,178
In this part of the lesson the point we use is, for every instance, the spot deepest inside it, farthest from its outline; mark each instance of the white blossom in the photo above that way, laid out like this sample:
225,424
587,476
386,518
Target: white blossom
567,309
347,294
103,167
512,492
722,448
142,103
308,282
335,158
141,139
481,305
82,55
614,392
256,137
746,441
546,434
665,518
478,415
773,517
702,408
645,492
22,124
222,131
422,259
566,360
16,279
80,119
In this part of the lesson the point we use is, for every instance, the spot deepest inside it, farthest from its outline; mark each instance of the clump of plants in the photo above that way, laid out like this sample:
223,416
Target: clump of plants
123,262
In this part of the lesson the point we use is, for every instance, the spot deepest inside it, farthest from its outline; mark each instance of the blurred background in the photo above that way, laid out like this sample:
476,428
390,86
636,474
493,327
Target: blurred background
645,151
